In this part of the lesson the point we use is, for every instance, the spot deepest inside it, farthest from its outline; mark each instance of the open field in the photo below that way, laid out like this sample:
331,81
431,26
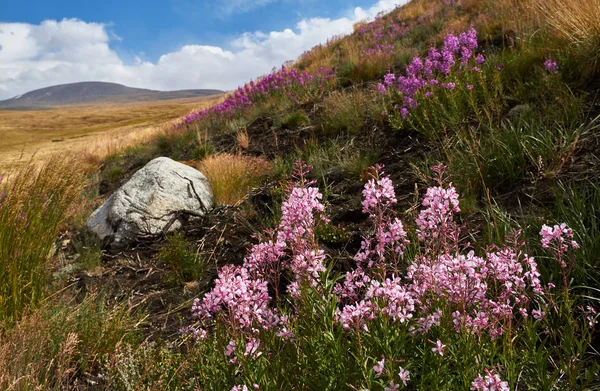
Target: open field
97,129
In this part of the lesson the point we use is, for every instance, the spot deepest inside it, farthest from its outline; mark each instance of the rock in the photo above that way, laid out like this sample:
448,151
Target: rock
152,202
518,111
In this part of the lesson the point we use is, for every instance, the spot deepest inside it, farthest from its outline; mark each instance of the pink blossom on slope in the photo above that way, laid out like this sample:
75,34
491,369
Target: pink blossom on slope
551,66
378,193
439,348
491,382
379,368
355,316
441,205
404,376
246,299
559,234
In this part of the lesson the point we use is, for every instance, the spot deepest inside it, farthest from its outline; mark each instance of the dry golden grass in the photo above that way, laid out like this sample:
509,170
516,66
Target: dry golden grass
243,139
416,8
319,56
51,345
344,111
232,176
578,20
34,204
98,130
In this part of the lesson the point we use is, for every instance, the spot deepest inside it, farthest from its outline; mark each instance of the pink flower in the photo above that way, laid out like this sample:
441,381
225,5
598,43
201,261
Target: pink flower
252,347
551,66
379,368
404,376
538,315
439,348
491,382
230,348
392,387
441,205
559,234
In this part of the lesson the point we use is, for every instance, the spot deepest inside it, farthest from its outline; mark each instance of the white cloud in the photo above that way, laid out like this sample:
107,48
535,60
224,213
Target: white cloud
71,50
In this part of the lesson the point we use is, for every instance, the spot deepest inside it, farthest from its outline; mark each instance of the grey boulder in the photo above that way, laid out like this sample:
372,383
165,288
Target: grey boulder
153,201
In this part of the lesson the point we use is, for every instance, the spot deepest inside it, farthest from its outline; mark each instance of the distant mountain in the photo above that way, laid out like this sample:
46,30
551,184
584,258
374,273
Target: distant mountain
93,91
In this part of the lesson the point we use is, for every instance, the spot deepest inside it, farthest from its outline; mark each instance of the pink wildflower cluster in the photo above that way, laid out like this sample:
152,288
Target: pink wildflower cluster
240,294
482,293
390,237
479,293
403,374
444,285
491,382
559,235
440,207
368,291
425,76
559,239
435,225
240,298
288,81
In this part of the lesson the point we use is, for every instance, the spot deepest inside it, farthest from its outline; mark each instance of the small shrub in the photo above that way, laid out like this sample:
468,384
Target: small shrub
332,235
177,144
371,67
294,119
89,248
344,111
113,174
178,253
337,156
232,176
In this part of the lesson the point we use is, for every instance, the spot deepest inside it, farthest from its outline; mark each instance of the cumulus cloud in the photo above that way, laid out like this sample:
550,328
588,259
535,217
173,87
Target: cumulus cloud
71,50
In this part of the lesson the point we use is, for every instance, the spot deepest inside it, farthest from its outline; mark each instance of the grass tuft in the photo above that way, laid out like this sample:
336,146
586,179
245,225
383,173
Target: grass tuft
232,176
32,207
577,20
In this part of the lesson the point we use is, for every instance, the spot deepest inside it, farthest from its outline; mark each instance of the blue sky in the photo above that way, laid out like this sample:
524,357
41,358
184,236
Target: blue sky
162,26
172,44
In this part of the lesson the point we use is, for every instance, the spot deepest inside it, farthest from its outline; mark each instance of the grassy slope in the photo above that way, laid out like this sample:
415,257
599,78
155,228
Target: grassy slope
523,154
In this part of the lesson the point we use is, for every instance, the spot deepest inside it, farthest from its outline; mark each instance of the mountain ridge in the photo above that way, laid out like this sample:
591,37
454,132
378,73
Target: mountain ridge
95,91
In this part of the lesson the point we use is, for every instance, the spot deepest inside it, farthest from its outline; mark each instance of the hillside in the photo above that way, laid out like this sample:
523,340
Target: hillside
94,92
414,206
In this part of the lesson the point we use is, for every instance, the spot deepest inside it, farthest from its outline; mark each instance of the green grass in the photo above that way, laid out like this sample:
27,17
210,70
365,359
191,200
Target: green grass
53,345
293,119
335,157
187,264
344,111
32,207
